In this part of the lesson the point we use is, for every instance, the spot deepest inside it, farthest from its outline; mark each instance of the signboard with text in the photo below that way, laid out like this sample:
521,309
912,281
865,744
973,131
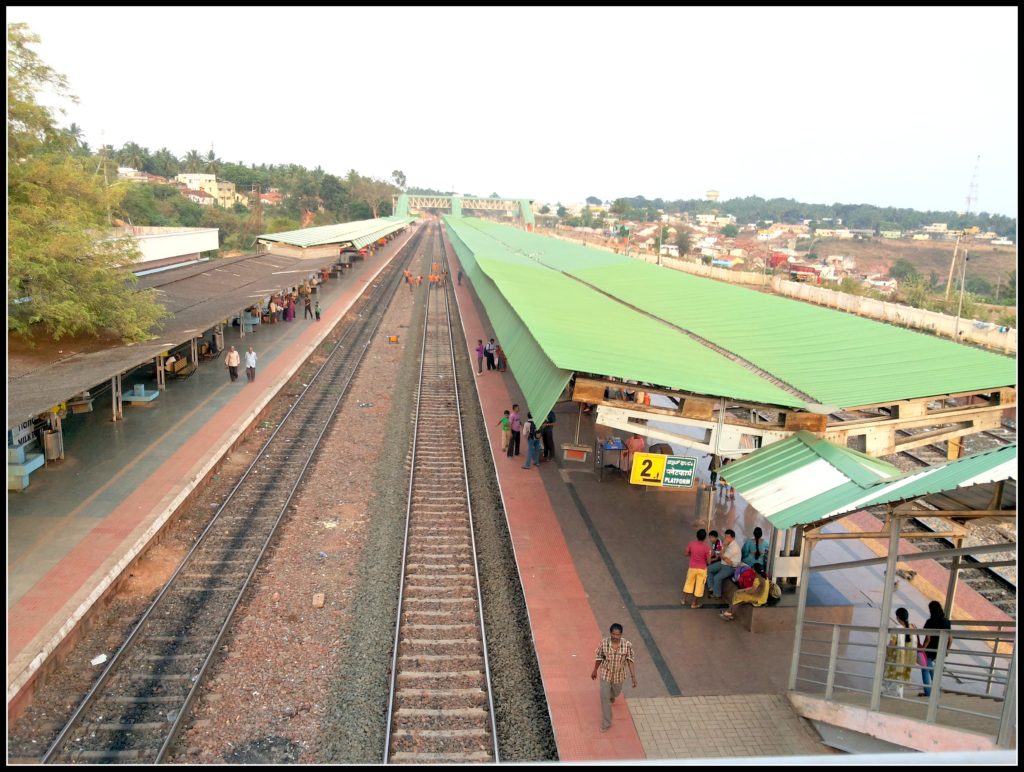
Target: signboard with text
663,471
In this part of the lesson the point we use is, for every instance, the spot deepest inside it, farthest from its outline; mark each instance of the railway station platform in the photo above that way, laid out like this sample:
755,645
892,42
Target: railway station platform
82,520
594,550
591,552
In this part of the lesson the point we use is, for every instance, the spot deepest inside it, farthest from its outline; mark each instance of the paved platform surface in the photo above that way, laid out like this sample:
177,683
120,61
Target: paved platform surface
82,520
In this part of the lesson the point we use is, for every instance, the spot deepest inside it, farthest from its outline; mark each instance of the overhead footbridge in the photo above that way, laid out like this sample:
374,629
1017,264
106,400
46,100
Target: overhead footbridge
734,368
518,210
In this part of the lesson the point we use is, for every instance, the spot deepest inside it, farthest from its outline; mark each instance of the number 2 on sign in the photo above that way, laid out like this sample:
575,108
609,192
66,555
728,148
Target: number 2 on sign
648,469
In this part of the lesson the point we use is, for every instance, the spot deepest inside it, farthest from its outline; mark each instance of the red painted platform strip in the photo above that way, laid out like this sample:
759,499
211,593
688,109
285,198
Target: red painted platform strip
565,632
49,602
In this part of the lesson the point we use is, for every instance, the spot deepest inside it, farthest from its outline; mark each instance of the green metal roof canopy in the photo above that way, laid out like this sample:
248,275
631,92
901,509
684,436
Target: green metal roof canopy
834,357
803,480
551,325
358,233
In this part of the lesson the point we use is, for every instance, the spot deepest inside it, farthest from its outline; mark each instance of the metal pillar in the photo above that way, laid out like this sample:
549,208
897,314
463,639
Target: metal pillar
1007,721
888,580
241,323
218,336
117,406
161,374
954,578
194,352
801,604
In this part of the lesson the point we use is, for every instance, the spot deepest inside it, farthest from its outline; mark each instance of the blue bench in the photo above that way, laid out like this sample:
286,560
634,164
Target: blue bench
138,396
19,466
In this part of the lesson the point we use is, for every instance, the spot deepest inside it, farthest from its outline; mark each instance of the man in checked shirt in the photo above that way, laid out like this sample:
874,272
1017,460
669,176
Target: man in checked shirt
613,655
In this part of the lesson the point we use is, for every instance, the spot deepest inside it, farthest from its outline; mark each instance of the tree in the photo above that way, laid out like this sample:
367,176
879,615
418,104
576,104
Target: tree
60,277
132,155
683,241
902,269
398,177
163,163
373,193
620,207
193,162
593,201
212,164
730,231
561,211
545,209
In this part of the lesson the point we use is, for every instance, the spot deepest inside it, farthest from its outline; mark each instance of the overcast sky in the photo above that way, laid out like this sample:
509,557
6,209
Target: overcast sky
886,106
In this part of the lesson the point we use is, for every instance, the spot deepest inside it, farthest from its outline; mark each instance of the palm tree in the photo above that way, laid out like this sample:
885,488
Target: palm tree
193,162
132,155
164,163
212,163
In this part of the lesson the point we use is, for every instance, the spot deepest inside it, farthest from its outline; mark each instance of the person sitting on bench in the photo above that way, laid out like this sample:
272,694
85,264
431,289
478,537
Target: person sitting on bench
756,594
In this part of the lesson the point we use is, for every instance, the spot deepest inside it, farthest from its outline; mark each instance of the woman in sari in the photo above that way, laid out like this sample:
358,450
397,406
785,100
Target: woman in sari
899,657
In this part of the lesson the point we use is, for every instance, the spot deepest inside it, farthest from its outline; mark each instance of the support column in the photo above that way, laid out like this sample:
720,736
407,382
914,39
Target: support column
161,374
954,578
888,580
194,352
801,605
117,406
218,336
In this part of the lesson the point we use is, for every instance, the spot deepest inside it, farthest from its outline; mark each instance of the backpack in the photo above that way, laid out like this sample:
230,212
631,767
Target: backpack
774,594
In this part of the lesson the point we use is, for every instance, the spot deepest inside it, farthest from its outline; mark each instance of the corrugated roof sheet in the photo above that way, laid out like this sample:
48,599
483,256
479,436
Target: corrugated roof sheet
197,296
362,231
787,474
580,330
803,479
835,357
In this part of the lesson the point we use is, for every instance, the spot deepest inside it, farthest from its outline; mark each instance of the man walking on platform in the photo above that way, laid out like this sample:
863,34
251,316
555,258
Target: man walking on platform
250,365
231,361
489,353
307,303
614,654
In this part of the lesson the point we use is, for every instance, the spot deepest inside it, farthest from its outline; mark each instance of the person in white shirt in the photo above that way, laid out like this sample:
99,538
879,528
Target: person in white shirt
250,365
720,570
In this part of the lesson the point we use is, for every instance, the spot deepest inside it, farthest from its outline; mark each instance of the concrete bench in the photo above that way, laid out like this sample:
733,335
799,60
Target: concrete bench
824,604
19,466
138,396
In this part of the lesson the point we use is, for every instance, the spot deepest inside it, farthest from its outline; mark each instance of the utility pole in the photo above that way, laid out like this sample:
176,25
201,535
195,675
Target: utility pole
969,204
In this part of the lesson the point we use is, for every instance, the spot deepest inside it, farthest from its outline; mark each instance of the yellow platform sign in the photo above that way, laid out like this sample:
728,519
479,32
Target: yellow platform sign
663,471
648,469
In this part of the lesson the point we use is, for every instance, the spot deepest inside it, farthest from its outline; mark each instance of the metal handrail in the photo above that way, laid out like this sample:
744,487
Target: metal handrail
990,671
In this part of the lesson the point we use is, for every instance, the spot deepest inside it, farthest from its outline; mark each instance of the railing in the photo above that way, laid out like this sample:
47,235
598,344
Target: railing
837,661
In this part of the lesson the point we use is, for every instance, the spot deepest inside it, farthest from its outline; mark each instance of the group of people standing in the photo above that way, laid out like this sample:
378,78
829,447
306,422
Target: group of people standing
540,438
492,353
904,649
282,308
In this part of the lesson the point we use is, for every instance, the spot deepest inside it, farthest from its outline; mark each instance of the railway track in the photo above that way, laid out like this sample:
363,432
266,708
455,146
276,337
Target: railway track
998,586
440,707
138,705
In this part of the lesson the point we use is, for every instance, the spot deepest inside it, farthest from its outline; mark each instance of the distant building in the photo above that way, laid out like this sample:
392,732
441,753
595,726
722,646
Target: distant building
890,234
936,227
711,195
200,197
